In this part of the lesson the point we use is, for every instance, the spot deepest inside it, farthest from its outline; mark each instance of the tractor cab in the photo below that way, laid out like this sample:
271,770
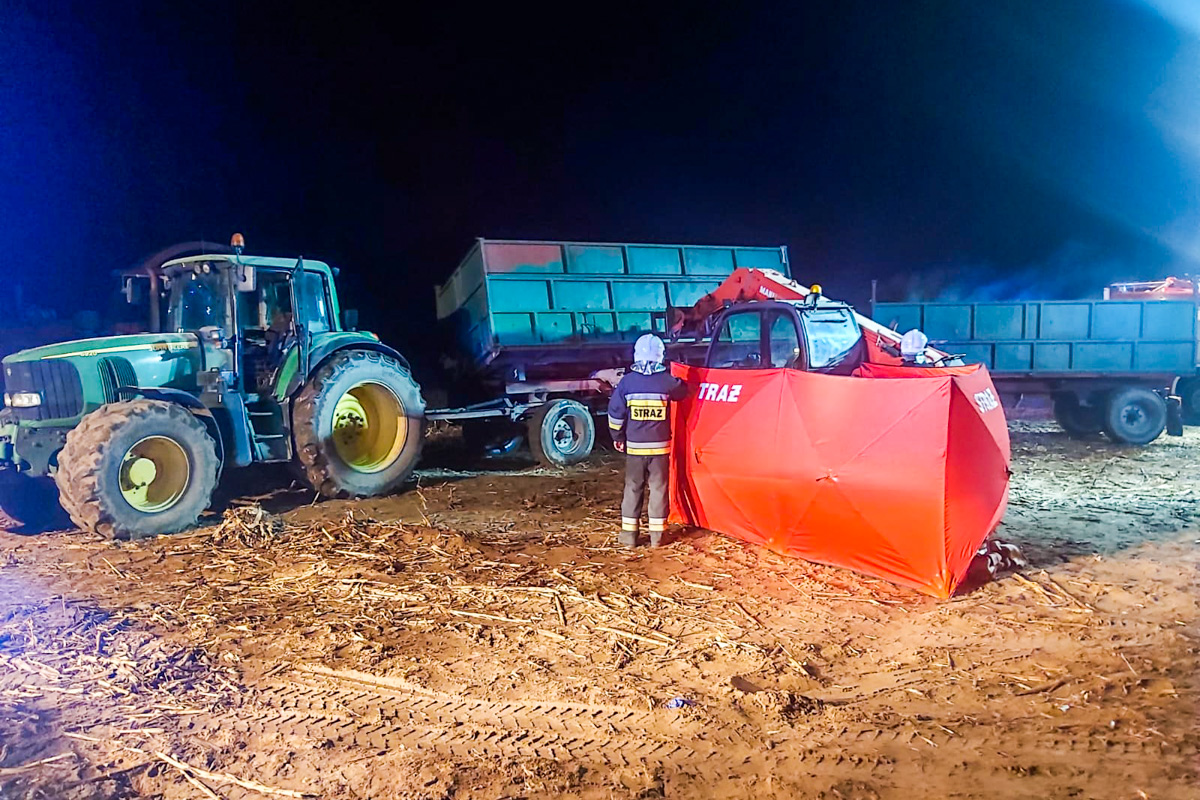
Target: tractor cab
244,311
814,335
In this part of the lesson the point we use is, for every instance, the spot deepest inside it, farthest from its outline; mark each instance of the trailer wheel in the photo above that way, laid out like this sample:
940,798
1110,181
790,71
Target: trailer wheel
358,425
562,433
1189,394
1135,416
137,468
1077,420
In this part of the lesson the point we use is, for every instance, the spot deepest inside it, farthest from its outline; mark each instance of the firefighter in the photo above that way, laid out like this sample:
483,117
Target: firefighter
641,428
912,348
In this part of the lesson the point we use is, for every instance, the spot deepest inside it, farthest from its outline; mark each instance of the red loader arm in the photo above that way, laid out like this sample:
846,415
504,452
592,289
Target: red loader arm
747,285
1168,289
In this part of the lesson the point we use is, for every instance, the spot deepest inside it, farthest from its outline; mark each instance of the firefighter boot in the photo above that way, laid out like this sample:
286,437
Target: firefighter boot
657,528
629,533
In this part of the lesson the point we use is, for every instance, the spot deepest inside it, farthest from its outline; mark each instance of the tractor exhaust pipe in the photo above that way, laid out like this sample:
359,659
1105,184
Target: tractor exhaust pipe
155,321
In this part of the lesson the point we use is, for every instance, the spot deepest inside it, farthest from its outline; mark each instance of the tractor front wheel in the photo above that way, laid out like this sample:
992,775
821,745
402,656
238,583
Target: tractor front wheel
138,468
358,425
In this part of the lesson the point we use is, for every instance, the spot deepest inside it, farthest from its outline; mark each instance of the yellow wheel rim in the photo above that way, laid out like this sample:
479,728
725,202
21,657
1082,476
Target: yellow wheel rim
369,427
154,474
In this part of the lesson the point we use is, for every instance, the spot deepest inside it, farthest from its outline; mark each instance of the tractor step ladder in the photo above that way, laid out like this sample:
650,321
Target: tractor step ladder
267,432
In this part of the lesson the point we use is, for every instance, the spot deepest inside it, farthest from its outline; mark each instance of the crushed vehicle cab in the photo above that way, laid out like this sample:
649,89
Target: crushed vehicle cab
792,432
255,365
814,335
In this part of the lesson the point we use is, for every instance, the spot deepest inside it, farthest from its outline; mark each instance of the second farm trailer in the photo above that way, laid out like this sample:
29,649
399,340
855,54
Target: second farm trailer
1127,365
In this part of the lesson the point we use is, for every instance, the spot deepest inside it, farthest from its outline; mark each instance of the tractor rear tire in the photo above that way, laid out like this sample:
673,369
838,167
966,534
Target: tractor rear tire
561,433
1135,416
137,468
29,505
358,425
1077,420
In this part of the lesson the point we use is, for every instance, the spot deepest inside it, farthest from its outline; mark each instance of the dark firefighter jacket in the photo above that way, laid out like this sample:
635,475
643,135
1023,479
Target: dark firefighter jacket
637,412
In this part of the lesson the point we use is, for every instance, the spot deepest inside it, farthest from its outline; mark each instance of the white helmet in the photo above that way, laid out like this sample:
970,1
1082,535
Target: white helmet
649,348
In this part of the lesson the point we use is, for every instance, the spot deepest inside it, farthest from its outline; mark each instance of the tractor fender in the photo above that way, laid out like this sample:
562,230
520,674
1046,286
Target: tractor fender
198,409
322,355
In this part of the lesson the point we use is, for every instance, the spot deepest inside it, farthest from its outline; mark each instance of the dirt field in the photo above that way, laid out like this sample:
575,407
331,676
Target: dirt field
482,637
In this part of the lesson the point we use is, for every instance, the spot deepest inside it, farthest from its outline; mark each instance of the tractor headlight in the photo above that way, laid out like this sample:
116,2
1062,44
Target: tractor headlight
22,399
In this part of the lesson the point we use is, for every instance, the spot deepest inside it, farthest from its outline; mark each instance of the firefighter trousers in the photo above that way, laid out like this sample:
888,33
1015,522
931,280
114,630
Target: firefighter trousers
644,473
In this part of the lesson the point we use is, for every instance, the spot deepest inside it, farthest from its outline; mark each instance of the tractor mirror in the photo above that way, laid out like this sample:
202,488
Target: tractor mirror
245,278
350,319
132,291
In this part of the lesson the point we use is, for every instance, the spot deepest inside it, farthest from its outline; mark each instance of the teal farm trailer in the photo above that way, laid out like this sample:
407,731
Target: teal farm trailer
540,330
1129,368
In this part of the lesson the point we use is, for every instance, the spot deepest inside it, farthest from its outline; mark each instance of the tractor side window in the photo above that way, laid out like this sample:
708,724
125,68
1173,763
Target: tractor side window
274,312
273,303
315,303
785,342
739,344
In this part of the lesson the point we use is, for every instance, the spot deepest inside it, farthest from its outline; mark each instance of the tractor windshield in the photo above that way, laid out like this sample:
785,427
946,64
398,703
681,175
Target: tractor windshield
200,300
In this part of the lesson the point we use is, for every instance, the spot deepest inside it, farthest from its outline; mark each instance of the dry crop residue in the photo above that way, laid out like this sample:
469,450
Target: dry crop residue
482,637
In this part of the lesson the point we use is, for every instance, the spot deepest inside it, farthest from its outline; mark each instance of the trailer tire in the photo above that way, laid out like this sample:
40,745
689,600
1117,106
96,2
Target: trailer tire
561,433
1135,416
1077,420
137,468
358,425
1189,396
29,505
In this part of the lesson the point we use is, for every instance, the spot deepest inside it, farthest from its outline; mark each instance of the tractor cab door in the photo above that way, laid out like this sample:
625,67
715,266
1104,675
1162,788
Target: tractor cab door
763,336
278,312
310,299
271,326
265,320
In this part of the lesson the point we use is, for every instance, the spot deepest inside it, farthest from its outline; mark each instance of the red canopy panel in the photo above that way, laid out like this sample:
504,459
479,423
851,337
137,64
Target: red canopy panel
899,472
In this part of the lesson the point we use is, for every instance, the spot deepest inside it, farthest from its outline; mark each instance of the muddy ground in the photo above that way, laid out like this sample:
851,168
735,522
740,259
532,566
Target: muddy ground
482,637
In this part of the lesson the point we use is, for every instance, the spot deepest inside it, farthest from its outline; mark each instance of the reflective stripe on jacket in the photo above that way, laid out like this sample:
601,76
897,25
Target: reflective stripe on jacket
638,412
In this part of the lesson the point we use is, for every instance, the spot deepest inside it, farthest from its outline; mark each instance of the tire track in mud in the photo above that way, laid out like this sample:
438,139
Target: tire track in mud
356,710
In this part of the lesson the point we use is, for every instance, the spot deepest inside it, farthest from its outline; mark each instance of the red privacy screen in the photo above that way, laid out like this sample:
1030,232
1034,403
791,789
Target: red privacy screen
897,472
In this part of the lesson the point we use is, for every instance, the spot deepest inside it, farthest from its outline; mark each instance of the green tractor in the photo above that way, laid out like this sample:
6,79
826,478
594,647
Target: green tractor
256,364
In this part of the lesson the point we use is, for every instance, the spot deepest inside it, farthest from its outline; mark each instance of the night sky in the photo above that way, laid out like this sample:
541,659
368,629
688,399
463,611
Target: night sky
945,147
